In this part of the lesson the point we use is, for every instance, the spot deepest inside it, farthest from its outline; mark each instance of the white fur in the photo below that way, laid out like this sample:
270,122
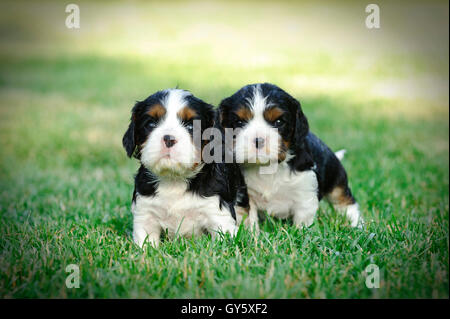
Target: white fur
340,154
179,212
183,154
354,216
352,213
284,194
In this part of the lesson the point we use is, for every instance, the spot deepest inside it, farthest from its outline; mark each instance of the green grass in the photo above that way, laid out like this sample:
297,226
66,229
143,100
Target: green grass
66,183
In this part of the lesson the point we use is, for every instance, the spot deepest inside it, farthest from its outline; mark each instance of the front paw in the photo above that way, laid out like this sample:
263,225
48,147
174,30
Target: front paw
141,242
303,221
252,225
233,231
220,232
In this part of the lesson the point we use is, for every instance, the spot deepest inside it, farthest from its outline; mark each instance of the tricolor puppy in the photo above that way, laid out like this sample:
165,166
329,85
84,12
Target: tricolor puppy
175,190
270,126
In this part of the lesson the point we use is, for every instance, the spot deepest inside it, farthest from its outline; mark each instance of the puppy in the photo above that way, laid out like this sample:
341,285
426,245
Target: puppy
175,190
270,126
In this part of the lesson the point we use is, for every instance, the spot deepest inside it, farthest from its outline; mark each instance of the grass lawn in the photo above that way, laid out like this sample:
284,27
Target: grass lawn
66,183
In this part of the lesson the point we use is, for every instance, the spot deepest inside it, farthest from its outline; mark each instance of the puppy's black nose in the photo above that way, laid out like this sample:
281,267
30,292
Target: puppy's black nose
259,142
169,140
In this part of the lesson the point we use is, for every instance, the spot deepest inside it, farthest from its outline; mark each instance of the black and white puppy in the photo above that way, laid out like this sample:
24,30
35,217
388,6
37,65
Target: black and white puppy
175,190
272,127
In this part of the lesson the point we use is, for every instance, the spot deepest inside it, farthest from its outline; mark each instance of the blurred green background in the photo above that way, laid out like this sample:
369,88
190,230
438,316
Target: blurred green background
66,184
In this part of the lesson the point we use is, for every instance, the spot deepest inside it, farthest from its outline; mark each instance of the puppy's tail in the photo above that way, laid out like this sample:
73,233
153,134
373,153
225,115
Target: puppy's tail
340,154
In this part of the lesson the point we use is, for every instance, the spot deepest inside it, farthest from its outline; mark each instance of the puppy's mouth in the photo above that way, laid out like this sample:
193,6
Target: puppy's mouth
170,164
168,153
165,155
172,169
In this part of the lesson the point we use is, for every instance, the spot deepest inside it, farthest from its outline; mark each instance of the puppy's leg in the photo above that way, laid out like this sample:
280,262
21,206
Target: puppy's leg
305,209
221,222
252,220
306,201
343,201
241,213
146,229
250,214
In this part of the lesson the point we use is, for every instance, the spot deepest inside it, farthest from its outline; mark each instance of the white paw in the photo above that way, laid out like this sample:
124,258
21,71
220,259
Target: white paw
304,221
354,216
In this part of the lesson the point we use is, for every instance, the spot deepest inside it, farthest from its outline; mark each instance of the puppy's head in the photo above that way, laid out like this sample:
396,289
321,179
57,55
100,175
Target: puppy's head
269,123
161,132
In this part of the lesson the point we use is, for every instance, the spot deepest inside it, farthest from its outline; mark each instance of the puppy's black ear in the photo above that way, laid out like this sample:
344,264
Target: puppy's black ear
221,109
301,125
217,123
211,116
128,140
303,158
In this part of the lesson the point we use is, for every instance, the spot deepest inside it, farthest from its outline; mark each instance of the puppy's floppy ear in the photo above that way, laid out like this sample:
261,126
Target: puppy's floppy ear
301,125
217,122
303,158
128,140
221,109
208,114
211,116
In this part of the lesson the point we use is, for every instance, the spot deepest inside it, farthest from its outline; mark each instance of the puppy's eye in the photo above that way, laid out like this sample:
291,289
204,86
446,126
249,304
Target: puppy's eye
152,124
278,123
240,123
189,126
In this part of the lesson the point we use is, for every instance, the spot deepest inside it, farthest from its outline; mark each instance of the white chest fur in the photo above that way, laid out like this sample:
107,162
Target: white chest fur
174,209
283,193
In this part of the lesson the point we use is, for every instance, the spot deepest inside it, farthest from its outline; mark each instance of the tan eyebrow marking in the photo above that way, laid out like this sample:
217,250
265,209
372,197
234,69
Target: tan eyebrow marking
273,114
156,111
186,113
244,113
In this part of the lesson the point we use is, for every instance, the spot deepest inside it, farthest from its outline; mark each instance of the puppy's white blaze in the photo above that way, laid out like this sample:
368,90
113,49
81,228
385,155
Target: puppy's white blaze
175,100
258,102
183,154
189,215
